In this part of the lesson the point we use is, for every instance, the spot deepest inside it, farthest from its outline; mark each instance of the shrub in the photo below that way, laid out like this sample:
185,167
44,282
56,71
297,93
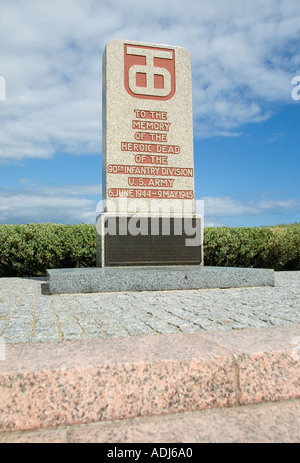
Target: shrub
264,247
29,250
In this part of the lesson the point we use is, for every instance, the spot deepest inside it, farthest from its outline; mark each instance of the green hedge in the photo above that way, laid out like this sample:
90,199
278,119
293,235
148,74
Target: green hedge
274,247
29,250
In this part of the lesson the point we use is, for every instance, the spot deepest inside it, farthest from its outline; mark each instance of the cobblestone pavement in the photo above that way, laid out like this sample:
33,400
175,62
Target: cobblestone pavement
28,316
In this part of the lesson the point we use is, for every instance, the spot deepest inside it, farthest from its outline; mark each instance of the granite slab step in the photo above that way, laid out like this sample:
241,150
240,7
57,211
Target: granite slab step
272,422
117,279
76,382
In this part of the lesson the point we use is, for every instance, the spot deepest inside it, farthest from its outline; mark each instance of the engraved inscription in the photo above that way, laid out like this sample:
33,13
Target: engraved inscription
157,152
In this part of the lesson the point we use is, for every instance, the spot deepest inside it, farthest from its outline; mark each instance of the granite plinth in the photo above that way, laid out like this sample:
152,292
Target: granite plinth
117,279
76,382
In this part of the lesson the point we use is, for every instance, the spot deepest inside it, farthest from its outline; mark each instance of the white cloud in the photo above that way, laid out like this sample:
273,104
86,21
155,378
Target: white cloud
44,203
288,204
243,55
226,207
33,202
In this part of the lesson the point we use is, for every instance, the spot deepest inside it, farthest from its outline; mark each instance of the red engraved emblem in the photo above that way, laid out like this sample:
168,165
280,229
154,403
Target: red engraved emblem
149,72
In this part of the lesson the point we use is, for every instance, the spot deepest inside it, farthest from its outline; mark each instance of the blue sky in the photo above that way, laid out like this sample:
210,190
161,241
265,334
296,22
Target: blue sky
246,123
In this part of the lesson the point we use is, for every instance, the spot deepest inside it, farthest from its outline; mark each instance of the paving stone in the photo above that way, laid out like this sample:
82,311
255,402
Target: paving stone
46,336
133,314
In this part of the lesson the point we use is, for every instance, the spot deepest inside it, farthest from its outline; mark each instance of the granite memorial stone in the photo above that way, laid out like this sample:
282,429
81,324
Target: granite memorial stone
148,215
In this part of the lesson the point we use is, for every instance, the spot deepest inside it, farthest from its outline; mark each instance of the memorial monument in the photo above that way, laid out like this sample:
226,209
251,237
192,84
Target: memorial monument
148,234
148,161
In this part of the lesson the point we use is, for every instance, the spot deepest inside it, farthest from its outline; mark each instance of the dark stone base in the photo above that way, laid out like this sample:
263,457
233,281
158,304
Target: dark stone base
120,279
138,240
